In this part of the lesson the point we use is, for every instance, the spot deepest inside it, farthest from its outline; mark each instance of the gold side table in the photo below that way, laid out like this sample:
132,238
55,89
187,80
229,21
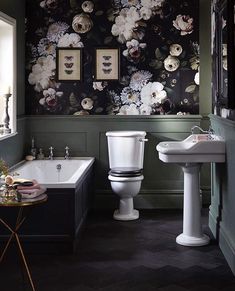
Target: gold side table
19,221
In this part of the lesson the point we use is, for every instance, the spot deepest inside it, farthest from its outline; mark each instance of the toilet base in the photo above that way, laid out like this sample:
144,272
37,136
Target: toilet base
191,241
125,217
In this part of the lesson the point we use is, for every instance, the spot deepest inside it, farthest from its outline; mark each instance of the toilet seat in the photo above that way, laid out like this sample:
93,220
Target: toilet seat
126,172
125,179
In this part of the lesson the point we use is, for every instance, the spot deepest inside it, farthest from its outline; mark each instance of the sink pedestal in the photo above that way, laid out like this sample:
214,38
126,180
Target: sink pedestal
192,227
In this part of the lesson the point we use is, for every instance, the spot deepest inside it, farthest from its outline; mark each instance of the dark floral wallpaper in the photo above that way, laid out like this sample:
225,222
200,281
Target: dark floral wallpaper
159,56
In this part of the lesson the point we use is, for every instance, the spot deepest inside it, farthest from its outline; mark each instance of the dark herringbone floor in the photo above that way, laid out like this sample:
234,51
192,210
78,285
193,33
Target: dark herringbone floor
127,256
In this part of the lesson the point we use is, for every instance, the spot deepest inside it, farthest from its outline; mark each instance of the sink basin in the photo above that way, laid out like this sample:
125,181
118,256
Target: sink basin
197,148
189,154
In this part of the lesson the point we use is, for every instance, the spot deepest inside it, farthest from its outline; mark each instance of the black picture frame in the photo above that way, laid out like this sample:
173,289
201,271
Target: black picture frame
223,87
68,64
107,64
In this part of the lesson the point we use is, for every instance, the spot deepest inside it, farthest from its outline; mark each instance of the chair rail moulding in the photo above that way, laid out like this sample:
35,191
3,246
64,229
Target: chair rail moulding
119,117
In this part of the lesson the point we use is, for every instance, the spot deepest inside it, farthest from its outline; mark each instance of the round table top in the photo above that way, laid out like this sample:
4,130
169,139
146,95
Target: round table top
24,201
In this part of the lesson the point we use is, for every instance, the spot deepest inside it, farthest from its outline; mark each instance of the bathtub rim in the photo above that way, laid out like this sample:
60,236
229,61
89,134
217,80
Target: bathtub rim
70,183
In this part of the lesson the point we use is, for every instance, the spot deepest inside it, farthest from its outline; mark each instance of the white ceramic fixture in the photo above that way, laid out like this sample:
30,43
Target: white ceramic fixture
126,154
190,154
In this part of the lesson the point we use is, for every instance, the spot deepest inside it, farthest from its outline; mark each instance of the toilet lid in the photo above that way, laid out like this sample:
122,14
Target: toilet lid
126,172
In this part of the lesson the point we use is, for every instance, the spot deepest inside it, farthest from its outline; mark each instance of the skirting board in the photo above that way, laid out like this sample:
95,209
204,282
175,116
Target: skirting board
171,199
226,245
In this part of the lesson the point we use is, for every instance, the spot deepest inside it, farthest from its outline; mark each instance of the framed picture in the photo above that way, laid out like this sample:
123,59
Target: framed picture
68,64
107,64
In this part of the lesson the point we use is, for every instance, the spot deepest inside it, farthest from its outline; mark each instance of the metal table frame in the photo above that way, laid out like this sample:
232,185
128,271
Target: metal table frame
14,230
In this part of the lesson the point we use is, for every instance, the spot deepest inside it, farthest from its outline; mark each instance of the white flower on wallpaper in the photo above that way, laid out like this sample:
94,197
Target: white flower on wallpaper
153,93
145,109
70,40
129,110
176,50
87,103
88,6
129,96
195,62
125,24
140,79
56,30
45,47
42,72
224,49
146,13
49,4
128,3
196,78
171,63
82,23
184,23
152,4
99,85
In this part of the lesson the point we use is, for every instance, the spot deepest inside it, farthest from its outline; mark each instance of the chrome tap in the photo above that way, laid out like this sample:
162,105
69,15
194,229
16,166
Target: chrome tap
66,153
210,131
51,155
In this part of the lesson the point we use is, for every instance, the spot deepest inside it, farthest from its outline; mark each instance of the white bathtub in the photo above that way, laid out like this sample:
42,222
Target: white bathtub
47,174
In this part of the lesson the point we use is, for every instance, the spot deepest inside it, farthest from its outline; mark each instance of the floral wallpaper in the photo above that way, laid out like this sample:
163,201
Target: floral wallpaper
159,56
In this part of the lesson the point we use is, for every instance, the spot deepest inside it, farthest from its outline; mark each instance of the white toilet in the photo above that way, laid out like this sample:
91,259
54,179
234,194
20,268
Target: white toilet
126,155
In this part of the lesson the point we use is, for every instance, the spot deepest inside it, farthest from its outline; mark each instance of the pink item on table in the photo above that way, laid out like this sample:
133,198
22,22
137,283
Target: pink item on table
30,191
34,186
32,194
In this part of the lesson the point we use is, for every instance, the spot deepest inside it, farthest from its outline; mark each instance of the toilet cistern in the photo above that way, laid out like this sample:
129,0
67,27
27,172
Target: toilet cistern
190,154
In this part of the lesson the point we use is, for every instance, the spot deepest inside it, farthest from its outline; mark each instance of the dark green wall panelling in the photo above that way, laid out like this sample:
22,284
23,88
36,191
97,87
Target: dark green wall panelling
163,183
221,220
12,149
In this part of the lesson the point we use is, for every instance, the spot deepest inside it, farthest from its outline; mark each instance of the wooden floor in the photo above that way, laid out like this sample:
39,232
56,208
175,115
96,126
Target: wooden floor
126,256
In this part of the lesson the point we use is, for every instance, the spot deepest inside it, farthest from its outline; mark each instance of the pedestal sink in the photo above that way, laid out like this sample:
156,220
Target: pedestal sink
190,154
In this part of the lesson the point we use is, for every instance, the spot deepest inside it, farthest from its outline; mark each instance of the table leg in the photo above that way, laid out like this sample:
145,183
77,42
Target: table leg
13,232
19,222
24,260
9,240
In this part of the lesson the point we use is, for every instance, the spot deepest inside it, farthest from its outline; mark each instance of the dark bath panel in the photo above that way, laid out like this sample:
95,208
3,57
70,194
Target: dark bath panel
56,225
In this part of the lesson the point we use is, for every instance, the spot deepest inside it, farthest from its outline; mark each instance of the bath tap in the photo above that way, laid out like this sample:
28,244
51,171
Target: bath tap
66,153
50,157
210,131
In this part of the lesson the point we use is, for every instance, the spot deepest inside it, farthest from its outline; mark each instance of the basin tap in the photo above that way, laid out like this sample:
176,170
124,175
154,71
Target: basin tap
66,153
51,155
210,131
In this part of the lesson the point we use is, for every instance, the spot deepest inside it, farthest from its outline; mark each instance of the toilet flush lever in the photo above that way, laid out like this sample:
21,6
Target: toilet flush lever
144,139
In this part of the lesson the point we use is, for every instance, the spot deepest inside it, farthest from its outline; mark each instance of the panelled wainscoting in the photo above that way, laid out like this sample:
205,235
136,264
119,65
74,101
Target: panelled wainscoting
222,209
85,135
12,149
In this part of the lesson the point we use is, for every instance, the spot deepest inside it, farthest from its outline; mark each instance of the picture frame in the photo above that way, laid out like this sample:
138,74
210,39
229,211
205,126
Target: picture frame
107,64
68,64
223,55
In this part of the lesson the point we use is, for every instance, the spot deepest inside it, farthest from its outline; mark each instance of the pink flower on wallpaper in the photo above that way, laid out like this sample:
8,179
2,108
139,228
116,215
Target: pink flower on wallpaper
184,23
